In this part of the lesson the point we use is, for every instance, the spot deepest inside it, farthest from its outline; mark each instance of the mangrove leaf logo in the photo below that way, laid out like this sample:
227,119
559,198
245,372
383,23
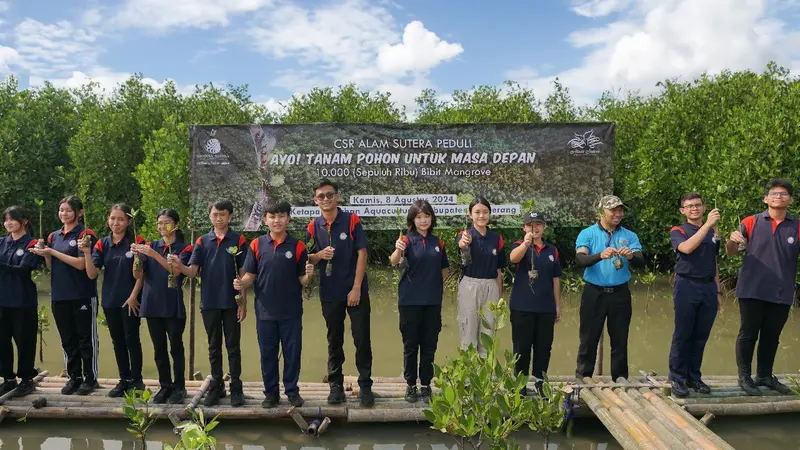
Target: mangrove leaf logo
289,255
584,144
213,146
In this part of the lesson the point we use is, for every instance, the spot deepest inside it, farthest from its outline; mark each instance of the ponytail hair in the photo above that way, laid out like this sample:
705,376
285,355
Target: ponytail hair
19,214
172,214
127,211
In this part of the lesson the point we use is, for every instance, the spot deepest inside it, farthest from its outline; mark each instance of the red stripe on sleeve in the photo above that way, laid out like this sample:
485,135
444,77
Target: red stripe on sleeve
139,239
50,238
310,228
254,248
683,232
749,222
298,250
556,254
99,246
186,249
199,241
354,220
441,244
242,240
405,239
32,243
502,244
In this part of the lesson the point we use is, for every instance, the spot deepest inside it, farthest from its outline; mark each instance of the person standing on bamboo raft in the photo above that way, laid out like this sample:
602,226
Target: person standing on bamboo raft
770,241
606,250
424,267
696,293
535,298
483,259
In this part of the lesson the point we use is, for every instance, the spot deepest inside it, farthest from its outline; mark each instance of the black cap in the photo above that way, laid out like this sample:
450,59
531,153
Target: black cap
533,216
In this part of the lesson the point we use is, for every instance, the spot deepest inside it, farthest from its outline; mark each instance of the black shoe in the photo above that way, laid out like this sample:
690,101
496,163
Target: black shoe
337,394
24,388
748,386
698,386
72,386
425,394
523,392
679,389
162,395
136,384
296,400
177,396
8,386
366,397
270,401
119,389
87,387
411,394
539,388
237,397
215,392
773,383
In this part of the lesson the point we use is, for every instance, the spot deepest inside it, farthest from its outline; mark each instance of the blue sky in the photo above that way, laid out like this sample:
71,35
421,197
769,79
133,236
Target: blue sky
281,48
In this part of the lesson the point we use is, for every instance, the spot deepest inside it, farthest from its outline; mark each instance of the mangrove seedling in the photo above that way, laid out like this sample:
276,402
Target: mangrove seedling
137,262
42,242
403,264
547,411
42,326
234,251
137,410
196,433
172,280
86,240
310,246
329,264
466,255
40,402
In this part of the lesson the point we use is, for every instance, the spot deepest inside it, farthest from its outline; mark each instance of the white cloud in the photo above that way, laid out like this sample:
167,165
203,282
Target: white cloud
659,40
106,79
8,58
522,73
600,8
51,49
4,6
350,41
161,15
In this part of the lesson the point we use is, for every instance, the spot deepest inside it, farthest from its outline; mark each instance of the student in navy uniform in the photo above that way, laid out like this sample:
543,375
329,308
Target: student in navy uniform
696,293
766,284
420,297
535,301
163,306
74,297
278,265
340,240
482,280
605,251
121,297
19,319
221,313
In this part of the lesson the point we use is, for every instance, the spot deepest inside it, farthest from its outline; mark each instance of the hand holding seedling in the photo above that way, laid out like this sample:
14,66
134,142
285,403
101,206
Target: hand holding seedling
400,244
529,238
625,252
85,247
466,239
327,253
713,218
309,269
737,237
609,252
237,284
46,251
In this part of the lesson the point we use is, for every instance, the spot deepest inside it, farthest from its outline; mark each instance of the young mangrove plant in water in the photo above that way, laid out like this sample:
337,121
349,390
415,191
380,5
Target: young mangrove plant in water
137,410
38,403
234,251
546,414
196,433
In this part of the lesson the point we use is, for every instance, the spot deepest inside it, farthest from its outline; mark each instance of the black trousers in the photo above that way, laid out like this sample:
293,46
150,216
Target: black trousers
124,331
219,322
163,330
76,321
763,322
695,312
420,326
334,313
532,330
19,325
596,306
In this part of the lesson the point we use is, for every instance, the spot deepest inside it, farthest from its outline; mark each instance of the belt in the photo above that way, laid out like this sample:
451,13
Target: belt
705,279
609,289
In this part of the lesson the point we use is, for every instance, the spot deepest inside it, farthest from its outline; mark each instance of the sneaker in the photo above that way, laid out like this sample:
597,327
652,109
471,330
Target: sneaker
24,388
8,386
72,386
136,384
119,389
270,401
366,397
698,386
411,394
337,394
87,387
539,388
523,392
237,397
177,396
425,393
296,400
748,386
215,392
162,395
773,383
679,389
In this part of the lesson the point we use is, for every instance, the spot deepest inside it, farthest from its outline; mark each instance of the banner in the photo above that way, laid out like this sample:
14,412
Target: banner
382,168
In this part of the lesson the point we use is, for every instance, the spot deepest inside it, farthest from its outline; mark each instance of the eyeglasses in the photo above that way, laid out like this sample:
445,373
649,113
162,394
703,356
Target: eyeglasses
324,195
778,194
694,206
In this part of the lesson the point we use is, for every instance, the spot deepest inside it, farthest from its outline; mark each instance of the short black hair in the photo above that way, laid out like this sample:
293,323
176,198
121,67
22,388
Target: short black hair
420,206
19,214
221,205
690,196
326,182
480,201
274,207
779,182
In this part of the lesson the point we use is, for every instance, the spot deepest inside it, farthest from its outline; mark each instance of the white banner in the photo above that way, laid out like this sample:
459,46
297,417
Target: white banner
402,210
394,199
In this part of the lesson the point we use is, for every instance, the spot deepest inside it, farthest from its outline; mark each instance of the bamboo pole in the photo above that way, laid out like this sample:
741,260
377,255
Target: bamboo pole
734,400
686,420
610,422
386,415
256,413
744,409
707,418
642,433
674,441
200,391
681,423
688,438
36,380
3,412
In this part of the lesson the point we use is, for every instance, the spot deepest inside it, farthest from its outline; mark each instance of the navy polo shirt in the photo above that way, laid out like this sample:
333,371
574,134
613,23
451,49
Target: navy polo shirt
158,300
422,283
117,259
488,254
216,268
769,264
596,239
67,282
348,237
277,265
17,289
548,265
702,262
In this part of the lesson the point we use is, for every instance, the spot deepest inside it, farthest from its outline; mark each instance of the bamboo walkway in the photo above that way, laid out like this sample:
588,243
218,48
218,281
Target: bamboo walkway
640,412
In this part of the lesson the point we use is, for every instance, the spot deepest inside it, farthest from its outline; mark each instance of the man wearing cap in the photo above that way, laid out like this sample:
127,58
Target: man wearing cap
535,298
696,293
606,250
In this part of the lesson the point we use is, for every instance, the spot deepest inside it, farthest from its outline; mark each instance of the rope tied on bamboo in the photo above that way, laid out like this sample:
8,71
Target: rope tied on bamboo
572,401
